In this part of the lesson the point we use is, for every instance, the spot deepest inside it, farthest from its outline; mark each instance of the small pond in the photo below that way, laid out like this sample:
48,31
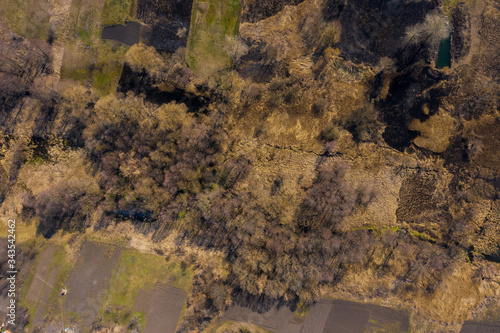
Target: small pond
444,55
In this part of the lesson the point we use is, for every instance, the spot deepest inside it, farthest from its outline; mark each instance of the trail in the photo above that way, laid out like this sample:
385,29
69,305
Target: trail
59,15
36,275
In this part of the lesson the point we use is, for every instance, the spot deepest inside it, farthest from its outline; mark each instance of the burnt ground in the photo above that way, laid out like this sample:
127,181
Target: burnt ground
162,305
89,279
374,29
331,316
128,34
170,21
141,83
476,327
410,90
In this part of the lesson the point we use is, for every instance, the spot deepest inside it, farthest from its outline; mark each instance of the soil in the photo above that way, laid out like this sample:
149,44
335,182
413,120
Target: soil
331,316
163,306
475,327
41,308
89,279
461,32
277,319
42,270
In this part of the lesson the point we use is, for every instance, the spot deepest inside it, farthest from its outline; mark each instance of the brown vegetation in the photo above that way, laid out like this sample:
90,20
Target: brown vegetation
310,170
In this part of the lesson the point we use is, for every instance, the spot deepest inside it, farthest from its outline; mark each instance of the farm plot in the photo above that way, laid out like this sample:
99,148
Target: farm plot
278,319
137,282
343,316
43,284
42,270
89,280
162,306
476,327
49,288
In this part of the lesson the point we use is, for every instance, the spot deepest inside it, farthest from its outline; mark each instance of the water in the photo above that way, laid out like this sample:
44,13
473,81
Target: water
444,55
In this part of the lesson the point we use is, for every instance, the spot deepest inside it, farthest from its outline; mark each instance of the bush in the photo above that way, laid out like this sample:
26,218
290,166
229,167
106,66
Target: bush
331,133
362,124
65,206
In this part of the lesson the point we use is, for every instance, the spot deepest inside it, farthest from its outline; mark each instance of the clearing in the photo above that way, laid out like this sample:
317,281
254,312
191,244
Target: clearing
213,33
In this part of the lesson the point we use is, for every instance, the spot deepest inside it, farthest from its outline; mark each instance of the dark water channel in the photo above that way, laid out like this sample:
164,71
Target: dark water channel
127,34
444,55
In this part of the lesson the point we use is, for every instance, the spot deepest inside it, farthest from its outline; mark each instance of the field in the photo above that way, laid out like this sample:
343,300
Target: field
163,306
45,280
42,270
89,280
136,274
87,57
474,327
214,26
325,316
278,319
106,283
343,316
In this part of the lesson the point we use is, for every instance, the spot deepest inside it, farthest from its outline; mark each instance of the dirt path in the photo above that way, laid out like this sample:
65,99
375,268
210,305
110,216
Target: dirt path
477,10
59,15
